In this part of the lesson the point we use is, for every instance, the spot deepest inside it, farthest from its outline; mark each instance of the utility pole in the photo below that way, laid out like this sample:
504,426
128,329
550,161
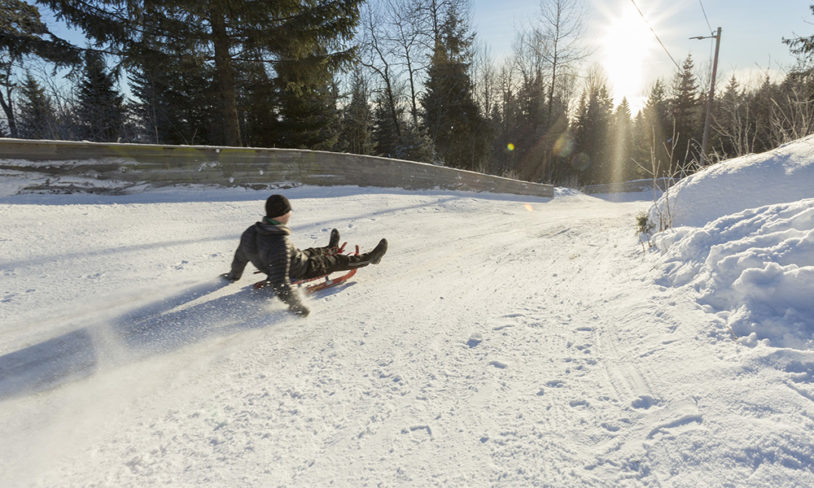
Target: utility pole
717,38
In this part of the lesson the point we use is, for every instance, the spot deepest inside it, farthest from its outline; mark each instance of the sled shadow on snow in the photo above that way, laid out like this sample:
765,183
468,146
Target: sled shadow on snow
159,327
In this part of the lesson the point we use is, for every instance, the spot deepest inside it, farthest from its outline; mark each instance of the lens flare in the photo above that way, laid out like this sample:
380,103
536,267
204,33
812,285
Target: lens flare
581,162
529,207
564,146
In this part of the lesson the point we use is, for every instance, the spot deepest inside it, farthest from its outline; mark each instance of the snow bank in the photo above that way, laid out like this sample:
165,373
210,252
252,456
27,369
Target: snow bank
744,239
785,174
755,268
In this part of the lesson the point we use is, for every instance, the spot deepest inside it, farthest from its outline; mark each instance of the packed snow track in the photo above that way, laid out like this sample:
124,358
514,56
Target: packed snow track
502,341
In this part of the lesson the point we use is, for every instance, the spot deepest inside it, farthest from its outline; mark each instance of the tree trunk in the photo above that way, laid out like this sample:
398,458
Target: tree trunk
8,107
226,81
413,95
391,98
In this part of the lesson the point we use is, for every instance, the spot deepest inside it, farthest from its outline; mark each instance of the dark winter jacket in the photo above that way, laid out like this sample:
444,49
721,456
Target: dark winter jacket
267,246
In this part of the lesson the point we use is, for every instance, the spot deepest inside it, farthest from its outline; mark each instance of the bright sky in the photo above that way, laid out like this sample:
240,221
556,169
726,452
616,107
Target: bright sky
751,39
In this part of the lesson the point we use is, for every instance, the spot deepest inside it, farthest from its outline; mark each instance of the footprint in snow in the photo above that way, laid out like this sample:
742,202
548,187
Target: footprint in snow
474,340
423,428
644,402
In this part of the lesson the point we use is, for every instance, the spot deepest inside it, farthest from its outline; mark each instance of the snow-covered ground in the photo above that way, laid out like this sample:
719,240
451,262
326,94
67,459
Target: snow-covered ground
502,341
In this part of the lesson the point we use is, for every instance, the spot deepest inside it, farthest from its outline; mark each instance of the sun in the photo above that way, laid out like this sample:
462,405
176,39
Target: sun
625,45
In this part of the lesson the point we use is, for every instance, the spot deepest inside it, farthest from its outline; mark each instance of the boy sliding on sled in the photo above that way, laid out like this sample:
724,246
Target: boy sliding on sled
267,246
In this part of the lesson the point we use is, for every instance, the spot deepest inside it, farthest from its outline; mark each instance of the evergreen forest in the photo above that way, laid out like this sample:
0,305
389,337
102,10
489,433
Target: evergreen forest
402,79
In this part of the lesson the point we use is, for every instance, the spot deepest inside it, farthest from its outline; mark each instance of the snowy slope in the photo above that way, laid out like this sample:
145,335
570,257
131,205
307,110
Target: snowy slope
744,239
502,341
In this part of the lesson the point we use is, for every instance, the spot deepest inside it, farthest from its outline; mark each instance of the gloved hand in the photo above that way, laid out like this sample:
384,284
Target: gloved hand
229,277
299,309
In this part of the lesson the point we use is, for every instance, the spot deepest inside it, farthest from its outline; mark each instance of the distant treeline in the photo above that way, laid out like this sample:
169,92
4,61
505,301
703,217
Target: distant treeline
395,78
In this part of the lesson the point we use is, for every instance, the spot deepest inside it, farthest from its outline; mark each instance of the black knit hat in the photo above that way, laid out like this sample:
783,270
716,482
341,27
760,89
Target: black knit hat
277,206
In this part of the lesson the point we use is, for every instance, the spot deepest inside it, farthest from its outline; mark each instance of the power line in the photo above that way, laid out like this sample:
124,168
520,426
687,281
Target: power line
655,35
705,14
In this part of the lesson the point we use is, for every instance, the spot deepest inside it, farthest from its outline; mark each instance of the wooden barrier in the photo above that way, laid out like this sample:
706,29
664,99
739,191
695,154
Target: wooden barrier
239,166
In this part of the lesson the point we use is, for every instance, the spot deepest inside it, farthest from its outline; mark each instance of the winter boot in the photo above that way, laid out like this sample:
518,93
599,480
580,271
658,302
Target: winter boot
372,257
334,242
375,256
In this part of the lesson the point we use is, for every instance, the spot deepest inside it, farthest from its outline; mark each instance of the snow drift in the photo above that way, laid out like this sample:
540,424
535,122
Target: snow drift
743,237
782,175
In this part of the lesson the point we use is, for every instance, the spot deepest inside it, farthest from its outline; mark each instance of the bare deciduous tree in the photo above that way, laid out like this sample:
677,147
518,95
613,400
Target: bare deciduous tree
378,57
485,79
410,32
792,116
734,123
560,30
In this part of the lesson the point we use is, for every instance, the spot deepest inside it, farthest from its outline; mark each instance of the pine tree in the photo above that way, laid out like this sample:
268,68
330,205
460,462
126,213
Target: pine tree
171,82
505,121
414,144
532,121
310,35
655,133
36,113
686,110
582,133
640,151
451,117
306,96
257,104
804,48
591,130
149,105
100,110
621,144
357,119
558,147
174,97
386,134
762,105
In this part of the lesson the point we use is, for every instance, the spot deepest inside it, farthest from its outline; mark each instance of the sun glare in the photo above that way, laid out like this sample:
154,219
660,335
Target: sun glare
625,45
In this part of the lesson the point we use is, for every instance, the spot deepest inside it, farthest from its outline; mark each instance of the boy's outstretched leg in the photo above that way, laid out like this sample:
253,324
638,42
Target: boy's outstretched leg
323,264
